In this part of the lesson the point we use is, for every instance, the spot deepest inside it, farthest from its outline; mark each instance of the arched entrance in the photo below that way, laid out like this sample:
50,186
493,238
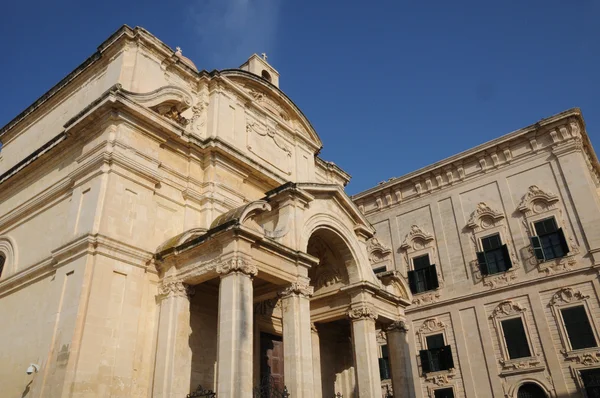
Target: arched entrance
333,359
531,390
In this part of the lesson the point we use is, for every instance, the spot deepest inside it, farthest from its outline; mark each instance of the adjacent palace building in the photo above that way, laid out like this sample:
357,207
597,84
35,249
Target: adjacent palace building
167,231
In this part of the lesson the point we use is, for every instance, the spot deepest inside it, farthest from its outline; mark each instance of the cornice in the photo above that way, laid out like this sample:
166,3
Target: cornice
451,172
82,245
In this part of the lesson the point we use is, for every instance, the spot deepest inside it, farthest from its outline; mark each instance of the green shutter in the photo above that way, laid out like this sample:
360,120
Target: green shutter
563,241
447,357
482,263
433,279
412,281
537,248
425,360
506,254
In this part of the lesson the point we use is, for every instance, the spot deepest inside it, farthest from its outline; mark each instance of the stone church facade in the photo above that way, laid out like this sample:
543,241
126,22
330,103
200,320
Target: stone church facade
164,228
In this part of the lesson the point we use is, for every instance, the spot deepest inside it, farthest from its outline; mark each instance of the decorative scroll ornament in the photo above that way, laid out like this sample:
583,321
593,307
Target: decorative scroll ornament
313,328
484,217
377,251
237,264
363,312
174,289
567,295
506,308
431,325
582,358
416,238
298,288
537,201
441,379
271,133
397,326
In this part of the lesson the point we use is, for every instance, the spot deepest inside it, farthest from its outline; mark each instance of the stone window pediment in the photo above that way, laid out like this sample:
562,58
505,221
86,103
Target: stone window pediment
505,311
536,205
484,222
566,298
416,244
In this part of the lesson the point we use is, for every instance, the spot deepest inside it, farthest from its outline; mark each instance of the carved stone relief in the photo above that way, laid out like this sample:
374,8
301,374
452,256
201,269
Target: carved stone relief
330,270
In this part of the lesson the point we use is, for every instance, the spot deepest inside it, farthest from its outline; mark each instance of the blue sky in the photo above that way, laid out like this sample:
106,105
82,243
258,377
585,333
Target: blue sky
380,80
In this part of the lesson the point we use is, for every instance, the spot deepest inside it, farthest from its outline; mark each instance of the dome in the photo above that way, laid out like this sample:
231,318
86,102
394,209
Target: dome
185,59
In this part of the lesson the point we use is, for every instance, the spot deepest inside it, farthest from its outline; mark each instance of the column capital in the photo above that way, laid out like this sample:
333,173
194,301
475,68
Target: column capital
365,311
237,264
298,288
397,326
167,289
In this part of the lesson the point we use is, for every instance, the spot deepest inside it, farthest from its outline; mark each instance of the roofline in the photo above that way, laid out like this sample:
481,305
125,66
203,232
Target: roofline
472,151
85,65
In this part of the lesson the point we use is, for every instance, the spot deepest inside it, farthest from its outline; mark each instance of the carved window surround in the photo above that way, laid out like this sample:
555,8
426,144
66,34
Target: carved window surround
417,243
430,327
566,298
440,378
485,221
379,255
537,205
440,381
506,310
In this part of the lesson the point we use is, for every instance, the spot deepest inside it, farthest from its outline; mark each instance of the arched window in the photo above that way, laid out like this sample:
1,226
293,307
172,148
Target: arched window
2,261
266,75
531,390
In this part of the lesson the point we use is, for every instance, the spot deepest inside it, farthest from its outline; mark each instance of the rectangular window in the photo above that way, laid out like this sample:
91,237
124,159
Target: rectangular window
515,338
384,363
550,241
423,277
437,356
495,257
379,270
591,382
444,393
578,327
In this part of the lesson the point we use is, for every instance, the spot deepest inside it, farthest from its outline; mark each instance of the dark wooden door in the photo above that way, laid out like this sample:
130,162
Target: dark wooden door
271,361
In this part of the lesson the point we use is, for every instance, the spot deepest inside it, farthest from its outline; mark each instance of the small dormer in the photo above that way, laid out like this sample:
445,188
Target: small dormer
260,67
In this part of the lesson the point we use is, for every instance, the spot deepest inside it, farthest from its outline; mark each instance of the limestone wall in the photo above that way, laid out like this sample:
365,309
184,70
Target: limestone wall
546,170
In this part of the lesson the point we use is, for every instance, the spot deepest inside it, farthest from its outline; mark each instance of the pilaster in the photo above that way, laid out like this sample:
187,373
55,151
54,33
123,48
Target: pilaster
235,328
364,344
173,354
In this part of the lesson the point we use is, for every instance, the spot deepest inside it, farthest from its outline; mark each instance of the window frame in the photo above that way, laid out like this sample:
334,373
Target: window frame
507,310
446,387
508,260
534,233
431,327
569,297
538,205
418,243
579,378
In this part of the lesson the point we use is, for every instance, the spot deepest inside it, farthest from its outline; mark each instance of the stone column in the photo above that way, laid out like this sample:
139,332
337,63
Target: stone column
316,352
173,366
399,358
235,329
297,339
364,343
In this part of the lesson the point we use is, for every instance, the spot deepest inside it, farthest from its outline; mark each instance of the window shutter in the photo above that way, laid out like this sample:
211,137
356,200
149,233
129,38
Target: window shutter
412,281
482,263
433,279
425,360
447,357
537,248
563,241
384,372
506,254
